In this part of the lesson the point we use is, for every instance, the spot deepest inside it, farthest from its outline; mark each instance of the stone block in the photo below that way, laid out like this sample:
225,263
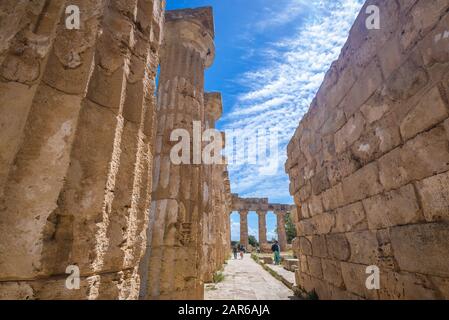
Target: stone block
315,205
349,133
364,247
354,277
342,166
332,272
323,223
379,138
338,247
333,198
391,174
406,81
375,108
419,158
442,285
362,184
319,248
305,192
315,267
290,264
390,57
422,248
434,46
446,126
350,218
16,291
305,227
305,246
426,14
320,182
322,289
334,123
434,195
303,265
370,81
340,294
306,282
430,111
266,260
305,211
427,154
406,286
398,207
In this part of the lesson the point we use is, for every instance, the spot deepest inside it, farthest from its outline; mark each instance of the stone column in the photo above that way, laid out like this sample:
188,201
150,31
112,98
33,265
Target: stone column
244,228
27,32
79,187
262,227
175,246
282,235
210,219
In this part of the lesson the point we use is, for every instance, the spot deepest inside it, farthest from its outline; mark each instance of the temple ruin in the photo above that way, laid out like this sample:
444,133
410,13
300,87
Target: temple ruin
88,187
261,206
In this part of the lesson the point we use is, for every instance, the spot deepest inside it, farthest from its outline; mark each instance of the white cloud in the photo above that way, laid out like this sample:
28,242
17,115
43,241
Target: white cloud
271,235
282,12
279,93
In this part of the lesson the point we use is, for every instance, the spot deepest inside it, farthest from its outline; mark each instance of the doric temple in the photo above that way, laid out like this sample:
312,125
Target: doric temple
261,206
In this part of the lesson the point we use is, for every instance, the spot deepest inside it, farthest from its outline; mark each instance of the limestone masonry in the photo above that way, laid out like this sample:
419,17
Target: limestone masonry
369,163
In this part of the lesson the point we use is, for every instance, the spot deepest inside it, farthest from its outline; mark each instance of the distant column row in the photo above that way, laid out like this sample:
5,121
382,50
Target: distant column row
281,232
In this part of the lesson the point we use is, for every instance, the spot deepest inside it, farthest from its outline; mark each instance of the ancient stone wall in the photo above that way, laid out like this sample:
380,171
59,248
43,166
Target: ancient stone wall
369,162
77,115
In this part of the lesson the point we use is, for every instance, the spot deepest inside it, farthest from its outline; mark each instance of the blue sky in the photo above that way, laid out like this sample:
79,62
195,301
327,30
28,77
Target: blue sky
271,57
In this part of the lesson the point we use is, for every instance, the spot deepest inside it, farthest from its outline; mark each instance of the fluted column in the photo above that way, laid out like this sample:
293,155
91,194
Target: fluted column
28,30
86,154
244,228
175,248
282,235
262,227
210,218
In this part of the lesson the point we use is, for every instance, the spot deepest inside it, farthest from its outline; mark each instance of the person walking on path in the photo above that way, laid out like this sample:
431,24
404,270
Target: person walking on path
234,251
277,252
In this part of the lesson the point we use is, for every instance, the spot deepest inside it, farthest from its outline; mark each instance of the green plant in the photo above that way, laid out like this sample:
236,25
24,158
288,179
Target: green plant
218,277
290,229
253,241
312,295
255,257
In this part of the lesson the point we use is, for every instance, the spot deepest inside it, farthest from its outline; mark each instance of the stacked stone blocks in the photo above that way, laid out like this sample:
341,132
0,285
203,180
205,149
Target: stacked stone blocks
369,162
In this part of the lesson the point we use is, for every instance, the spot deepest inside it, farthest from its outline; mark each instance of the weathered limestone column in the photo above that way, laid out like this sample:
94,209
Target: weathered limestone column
78,192
262,227
175,248
244,228
27,32
282,235
210,218
212,187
